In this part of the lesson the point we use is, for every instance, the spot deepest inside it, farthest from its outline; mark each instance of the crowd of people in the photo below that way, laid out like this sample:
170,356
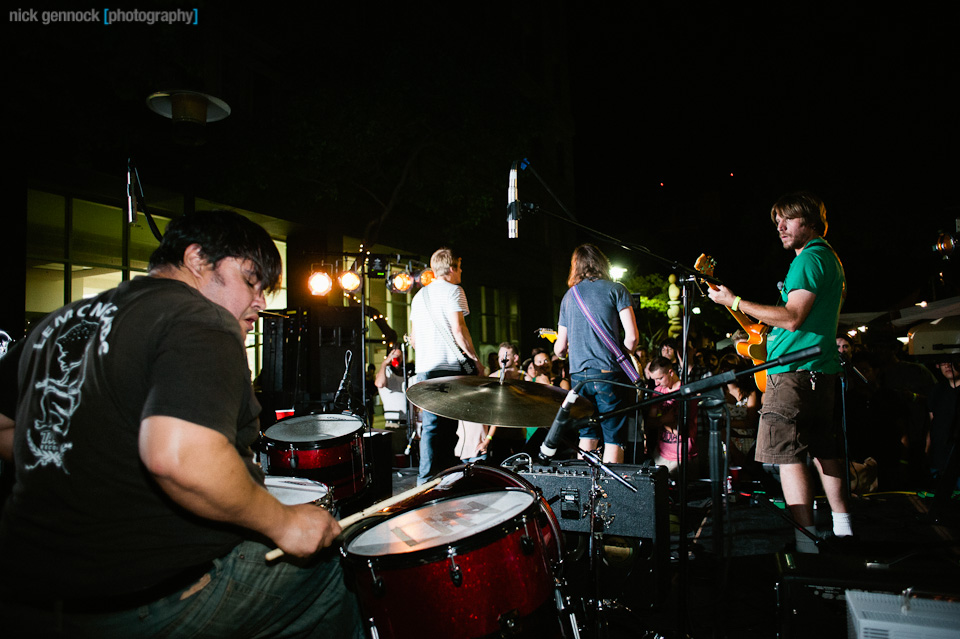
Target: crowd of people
856,407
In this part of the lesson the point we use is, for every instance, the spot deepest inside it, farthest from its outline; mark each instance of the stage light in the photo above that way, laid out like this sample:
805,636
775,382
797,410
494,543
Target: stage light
400,282
425,277
320,282
349,280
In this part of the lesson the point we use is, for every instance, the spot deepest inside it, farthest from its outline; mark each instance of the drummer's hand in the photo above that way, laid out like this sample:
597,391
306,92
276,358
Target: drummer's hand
308,530
481,369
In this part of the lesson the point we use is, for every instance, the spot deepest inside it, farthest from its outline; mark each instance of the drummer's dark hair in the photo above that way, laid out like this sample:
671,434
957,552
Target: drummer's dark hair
221,234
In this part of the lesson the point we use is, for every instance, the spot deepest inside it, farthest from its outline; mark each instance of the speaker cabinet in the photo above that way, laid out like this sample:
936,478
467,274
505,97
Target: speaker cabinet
635,540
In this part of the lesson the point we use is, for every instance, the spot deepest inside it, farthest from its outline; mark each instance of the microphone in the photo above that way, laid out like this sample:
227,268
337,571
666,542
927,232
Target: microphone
513,204
561,423
341,400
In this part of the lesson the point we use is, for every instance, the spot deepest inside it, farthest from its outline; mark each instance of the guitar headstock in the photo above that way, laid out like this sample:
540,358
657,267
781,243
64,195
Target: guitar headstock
705,264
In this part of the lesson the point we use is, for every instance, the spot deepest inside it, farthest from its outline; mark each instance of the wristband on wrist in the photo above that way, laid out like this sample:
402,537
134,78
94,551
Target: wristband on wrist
736,303
489,438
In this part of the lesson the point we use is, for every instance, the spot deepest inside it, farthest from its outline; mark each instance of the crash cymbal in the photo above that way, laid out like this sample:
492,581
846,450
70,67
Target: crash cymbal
488,401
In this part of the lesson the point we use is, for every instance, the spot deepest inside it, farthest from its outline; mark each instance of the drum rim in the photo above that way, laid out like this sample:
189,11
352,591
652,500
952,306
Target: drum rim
268,444
439,552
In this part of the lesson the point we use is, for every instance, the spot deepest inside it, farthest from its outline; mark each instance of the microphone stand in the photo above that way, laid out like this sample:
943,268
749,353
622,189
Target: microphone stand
515,212
596,525
693,390
843,422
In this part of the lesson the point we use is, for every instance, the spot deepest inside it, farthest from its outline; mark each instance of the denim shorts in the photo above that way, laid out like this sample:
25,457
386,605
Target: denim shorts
606,397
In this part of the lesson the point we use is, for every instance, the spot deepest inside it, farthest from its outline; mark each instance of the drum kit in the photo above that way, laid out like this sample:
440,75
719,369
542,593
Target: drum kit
476,552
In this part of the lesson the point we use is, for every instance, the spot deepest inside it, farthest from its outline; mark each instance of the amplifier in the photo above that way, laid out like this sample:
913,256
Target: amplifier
621,512
636,541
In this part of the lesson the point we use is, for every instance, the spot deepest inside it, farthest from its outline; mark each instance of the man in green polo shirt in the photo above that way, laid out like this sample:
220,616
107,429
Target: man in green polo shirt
796,420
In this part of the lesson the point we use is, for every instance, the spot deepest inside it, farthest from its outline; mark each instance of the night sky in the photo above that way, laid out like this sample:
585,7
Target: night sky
688,123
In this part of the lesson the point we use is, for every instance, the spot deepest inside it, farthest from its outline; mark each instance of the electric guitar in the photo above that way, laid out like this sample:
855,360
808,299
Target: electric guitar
547,333
756,345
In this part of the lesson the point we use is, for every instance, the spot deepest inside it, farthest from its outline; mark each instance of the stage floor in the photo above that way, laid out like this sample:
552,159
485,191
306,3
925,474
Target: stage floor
752,584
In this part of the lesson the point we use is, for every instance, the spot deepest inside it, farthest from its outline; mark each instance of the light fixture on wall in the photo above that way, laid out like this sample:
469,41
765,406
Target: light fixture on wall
190,112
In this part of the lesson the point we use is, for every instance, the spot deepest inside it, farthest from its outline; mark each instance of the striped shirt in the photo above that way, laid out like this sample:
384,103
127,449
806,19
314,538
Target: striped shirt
430,314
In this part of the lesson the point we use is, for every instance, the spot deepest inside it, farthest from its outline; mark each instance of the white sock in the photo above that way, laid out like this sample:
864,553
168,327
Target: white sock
841,524
804,543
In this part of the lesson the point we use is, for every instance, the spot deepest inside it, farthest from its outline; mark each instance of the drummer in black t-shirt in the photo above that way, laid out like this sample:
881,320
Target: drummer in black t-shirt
138,509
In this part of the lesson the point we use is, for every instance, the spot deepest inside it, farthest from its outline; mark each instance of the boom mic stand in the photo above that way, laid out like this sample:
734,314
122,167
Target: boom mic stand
697,389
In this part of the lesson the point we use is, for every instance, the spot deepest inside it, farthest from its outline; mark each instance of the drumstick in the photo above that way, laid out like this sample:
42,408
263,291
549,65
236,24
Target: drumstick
377,507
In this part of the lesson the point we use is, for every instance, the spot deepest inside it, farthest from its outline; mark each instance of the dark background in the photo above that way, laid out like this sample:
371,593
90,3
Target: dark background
672,127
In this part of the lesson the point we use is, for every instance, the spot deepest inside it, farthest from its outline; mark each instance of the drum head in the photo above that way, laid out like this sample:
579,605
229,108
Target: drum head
313,428
291,491
441,523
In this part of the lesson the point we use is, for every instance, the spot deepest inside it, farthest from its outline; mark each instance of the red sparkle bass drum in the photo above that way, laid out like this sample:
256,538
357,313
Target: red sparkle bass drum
474,556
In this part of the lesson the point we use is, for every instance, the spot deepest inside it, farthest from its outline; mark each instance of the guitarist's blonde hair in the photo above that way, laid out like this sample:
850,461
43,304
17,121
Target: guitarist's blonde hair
802,204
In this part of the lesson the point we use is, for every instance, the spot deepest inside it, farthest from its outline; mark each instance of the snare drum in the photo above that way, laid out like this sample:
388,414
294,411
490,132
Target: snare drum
292,491
324,448
470,557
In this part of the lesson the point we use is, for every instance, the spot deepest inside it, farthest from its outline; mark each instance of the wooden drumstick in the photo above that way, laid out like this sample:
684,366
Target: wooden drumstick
377,507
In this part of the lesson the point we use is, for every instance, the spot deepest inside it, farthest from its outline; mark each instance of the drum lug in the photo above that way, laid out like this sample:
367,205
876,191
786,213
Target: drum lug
378,587
456,575
509,623
527,544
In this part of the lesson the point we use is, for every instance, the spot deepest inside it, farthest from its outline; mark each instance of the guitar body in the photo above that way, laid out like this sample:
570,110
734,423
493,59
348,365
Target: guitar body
756,349
756,345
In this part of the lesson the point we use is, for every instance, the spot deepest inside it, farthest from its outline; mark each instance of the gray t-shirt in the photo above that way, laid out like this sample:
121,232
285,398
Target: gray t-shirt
605,299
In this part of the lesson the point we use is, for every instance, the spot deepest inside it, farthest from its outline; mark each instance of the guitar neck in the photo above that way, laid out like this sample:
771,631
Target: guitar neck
744,321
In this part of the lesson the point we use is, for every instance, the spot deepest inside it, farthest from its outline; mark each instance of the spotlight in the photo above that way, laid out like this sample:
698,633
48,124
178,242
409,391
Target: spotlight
349,280
400,282
945,245
425,277
319,282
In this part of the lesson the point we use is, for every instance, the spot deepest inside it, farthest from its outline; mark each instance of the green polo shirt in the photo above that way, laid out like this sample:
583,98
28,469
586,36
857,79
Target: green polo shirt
818,270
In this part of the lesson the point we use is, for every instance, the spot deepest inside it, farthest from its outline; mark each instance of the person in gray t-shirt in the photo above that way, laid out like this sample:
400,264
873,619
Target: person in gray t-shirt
610,304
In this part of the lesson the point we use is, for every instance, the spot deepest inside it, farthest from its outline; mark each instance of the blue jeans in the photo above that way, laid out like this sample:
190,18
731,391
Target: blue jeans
438,438
245,597
606,397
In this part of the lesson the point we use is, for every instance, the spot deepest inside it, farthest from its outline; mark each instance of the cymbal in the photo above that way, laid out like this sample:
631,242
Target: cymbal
485,400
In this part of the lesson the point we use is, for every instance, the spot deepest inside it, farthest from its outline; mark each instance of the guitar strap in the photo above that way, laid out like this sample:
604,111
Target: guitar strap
607,340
